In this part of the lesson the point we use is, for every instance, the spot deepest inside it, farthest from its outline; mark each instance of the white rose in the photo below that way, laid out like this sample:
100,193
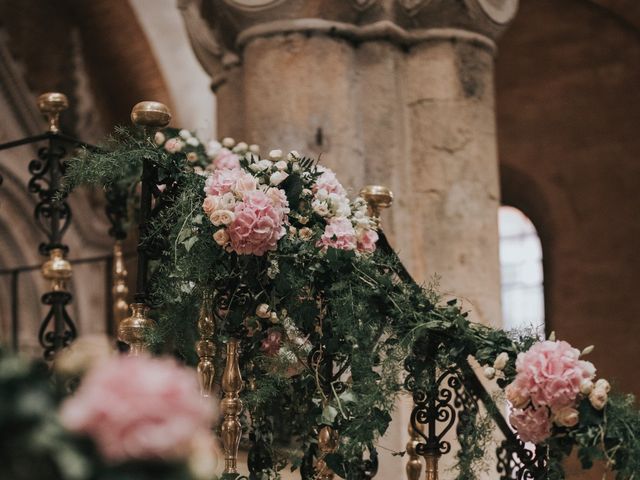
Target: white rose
489,373
277,178
275,154
159,138
586,386
293,230
253,148
173,145
320,208
603,384
222,217
221,237
566,417
598,398
193,141
184,134
263,311
213,148
501,360
305,233
264,164
281,165
293,156
241,147
228,142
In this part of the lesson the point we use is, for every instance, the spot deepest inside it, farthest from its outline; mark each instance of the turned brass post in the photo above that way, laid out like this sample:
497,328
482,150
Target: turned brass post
231,408
206,348
119,288
414,463
327,443
50,105
132,330
431,466
377,197
57,270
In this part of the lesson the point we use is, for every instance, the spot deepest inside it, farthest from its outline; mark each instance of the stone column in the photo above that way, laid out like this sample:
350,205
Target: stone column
398,92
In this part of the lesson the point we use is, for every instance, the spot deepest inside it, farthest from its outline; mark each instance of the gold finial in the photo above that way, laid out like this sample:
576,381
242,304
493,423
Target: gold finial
377,197
231,408
414,464
132,329
327,443
119,288
57,270
151,115
206,348
50,105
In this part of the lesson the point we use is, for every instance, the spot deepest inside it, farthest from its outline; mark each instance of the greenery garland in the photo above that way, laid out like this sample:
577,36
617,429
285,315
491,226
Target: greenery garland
301,306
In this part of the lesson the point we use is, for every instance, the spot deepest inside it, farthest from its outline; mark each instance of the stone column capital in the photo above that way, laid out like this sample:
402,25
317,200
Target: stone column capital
219,29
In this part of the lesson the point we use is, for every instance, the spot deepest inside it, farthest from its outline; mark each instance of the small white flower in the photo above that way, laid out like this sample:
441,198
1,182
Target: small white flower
184,134
277,178
598,398
241,147
253,148
296,167
305,233
320,208
293,156
603,384
489,373
213,148
275,154
274,317
228,142
192,157
586,386
501,361
193,141
264,164
221,237
263,311
281,165
293,230
222,217
159,138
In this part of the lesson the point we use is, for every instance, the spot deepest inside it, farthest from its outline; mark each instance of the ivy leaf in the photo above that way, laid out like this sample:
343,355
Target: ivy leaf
188,243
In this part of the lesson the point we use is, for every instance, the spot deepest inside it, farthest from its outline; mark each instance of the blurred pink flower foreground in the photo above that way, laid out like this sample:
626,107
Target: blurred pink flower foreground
139,408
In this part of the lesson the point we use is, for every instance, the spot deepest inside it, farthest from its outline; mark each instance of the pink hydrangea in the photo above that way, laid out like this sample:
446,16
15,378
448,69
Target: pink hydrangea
226,159
328,182
138,408
367,239
339,233
550,374
258,224
533,425
234,180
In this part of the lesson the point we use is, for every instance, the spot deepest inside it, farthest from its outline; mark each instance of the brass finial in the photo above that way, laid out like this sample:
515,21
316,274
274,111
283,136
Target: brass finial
327,443
206,348
377,197
132,329
57,270
231,408
50,105
119,288
151,115
414,464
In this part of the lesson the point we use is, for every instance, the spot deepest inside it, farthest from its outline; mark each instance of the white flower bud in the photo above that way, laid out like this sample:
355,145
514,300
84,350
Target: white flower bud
273,317
193,141
275,154
587,350
293,156
281,165
263,311
552,336
159,138
228,142
586,386
603,384
253,148
501,361
184,134
277,178
598,398
241,147
489,373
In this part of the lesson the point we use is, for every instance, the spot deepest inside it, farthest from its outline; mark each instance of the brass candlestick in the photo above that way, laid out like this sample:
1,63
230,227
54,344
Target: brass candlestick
414,464
327,443
206,348
231,408
50,105
57,270
132,330
377,197
119,288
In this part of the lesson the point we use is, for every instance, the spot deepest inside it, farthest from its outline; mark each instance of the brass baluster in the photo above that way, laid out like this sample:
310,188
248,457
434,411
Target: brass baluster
431,465
327,443
206,348
414,464
119,288
133,329
231,408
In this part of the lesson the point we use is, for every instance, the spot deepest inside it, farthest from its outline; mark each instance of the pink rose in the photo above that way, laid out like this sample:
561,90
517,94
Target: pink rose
258,224
367,239
271,344
138,408
210,204
533,425
566,417
173,145
224,181
327,181
551,373
338,233
226,159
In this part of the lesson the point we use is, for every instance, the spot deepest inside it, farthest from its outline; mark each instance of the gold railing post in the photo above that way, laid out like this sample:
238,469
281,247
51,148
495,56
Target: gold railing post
206,348
231,408
119,288
414,463
431,466
327,443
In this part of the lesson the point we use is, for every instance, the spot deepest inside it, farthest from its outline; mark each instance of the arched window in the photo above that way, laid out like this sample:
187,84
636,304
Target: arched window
521,270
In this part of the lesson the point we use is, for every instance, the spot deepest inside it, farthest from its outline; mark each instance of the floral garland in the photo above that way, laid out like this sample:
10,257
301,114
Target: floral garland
325,318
